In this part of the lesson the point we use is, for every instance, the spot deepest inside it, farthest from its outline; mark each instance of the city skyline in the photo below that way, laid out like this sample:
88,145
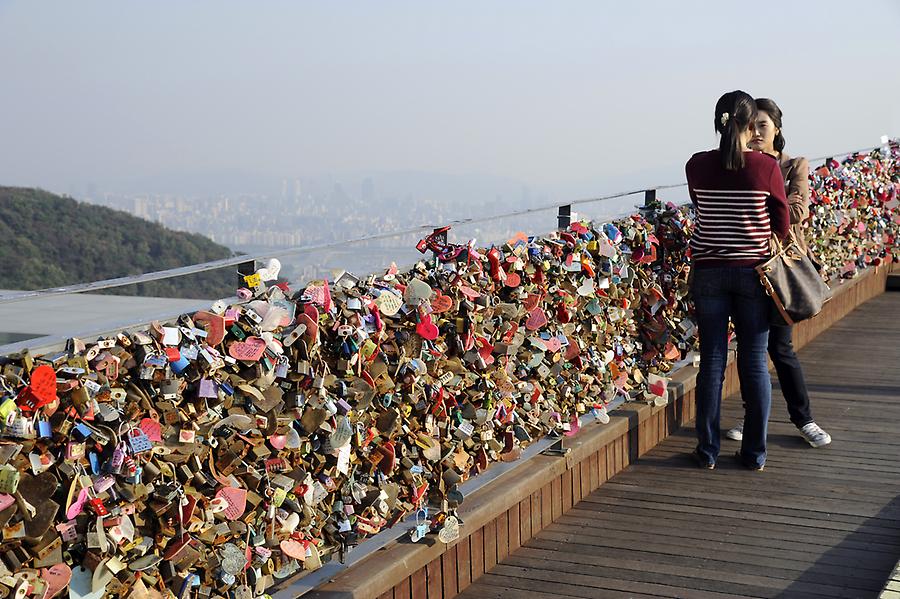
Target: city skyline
562,99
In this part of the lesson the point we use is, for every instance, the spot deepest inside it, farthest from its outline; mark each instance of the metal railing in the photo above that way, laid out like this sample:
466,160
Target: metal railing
246,264
295,587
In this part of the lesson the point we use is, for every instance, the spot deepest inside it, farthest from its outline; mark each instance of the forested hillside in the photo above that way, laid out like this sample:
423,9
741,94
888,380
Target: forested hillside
48,240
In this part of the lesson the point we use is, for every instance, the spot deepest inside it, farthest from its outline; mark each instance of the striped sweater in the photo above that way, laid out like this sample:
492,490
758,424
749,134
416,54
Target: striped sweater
737,211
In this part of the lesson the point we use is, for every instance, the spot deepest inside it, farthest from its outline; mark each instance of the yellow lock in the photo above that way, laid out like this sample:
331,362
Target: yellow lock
253,280
368,348
7,408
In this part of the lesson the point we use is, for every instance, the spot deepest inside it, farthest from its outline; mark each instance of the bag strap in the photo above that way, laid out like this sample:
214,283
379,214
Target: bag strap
776,246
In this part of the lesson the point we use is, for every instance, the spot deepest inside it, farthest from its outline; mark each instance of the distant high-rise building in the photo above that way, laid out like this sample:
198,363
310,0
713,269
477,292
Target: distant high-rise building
284,189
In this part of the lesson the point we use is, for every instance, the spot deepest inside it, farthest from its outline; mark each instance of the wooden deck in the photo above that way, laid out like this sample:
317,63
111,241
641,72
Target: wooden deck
816,523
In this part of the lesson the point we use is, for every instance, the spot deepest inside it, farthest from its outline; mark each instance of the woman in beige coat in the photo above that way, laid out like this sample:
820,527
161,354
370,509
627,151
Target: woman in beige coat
769,139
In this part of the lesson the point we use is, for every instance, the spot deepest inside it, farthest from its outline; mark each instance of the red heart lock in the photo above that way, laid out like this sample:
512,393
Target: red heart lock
312,326
215,332
250,349
41,390
427,329
311,311
441,303
531,302
513,280
485,350
658,388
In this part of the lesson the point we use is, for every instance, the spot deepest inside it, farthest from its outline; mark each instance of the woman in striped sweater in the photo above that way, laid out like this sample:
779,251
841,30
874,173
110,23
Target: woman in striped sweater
740,202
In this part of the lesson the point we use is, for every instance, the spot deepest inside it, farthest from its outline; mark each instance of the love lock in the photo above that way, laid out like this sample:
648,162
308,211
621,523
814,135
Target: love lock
449,532
288,425
422,525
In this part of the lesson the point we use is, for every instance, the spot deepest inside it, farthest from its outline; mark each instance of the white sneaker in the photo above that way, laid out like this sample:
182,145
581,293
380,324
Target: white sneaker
814,435
736,433
601,414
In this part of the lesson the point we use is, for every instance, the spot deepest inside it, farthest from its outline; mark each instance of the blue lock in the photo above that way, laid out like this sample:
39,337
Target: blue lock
44,429
81,431
179,365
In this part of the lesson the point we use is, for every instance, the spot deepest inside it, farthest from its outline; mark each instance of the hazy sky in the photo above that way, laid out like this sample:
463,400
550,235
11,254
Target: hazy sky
560,95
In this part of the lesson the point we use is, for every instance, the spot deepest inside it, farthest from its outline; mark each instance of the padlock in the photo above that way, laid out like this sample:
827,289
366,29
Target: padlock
9,479
75,451
97,506
139,441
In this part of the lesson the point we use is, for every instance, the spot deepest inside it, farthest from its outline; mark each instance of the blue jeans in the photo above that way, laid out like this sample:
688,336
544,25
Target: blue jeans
790,374
736,293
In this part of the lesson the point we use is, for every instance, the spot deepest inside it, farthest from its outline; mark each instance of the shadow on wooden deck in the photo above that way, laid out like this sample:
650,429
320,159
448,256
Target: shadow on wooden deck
817,523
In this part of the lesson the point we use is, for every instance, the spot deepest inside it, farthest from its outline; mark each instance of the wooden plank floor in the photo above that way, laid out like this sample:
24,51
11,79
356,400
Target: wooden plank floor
816,523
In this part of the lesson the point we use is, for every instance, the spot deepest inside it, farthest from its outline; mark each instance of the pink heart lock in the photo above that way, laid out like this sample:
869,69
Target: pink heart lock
320,294
152,428
278,441
574,426
236,500
427,329
469,292
57,578
553,344
294,549
249,350
78,505
537,318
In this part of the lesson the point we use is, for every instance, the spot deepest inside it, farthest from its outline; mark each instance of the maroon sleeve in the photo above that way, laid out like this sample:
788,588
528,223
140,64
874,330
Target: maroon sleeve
690,183
777,204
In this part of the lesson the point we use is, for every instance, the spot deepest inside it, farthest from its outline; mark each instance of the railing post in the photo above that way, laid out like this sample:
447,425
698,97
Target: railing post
244,269
564,217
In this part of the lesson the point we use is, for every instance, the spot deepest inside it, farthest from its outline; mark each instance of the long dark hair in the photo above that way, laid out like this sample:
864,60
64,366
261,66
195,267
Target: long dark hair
735,112
771,108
